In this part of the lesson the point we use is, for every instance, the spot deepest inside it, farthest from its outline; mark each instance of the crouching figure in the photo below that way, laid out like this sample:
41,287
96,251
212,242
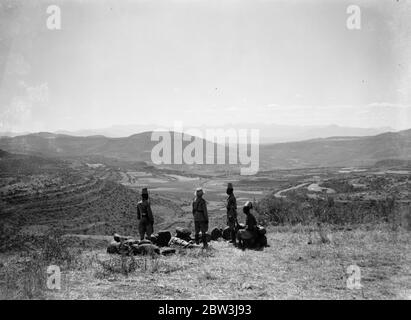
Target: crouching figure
247,237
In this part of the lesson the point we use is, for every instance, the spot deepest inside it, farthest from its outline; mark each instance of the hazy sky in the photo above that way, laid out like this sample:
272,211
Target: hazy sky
204,62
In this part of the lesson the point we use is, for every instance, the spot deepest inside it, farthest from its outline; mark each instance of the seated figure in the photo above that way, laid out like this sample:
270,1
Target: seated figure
247,237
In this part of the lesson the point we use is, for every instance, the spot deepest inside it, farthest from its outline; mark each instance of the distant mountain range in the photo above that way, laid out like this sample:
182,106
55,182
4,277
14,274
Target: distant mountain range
274,133
136,147
337,151
325,152
269,133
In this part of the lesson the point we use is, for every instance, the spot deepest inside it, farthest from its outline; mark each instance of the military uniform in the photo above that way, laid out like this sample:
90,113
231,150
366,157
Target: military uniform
232,215
248,236
145,217
250,223
200,218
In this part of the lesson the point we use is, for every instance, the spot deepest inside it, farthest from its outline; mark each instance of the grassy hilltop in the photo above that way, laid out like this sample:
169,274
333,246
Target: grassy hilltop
289,269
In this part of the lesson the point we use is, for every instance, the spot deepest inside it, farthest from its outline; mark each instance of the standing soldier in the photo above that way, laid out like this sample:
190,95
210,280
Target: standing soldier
200,217
232,222
144,215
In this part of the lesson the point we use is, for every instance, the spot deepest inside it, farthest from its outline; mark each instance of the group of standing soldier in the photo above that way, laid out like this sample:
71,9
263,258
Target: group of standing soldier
200,214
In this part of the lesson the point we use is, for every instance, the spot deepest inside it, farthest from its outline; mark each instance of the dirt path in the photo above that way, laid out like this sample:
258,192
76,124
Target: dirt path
278,193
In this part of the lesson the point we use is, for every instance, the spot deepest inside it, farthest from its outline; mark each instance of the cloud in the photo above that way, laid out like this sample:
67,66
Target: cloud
38,93
19,114
16,115
17,65
388,105
232,108
272,106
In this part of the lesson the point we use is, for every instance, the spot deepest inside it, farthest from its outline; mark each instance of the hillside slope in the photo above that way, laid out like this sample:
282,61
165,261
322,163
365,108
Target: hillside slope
136,147
38,194
337,151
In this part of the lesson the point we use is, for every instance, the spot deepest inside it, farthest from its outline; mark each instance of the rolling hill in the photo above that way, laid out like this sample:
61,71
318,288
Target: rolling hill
136,147
337,151
327,152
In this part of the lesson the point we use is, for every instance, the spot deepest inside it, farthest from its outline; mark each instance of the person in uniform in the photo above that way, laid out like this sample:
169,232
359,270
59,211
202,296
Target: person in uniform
200,217
247,236
232,222
145,215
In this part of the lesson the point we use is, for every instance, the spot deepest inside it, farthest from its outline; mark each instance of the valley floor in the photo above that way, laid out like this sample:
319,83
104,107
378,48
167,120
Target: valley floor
289,269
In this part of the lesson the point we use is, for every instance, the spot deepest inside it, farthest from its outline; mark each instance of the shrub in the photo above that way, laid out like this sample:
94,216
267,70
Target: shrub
299,209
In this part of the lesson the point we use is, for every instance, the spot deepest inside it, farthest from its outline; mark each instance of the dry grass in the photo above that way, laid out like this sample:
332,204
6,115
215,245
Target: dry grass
24,275
289,269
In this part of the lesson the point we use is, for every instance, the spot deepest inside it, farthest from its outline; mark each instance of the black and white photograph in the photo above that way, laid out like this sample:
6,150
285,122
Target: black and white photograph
205,151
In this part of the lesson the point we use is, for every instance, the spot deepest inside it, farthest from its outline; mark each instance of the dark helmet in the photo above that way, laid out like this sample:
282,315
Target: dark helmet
144,193
230,188
199,192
